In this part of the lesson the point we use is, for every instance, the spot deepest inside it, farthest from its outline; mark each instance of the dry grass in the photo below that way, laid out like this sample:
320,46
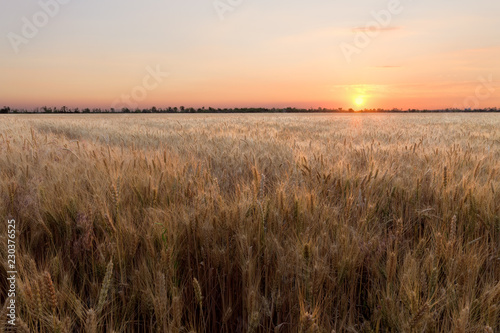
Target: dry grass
254,223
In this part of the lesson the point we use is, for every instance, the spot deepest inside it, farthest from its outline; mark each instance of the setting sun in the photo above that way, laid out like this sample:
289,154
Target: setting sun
360,100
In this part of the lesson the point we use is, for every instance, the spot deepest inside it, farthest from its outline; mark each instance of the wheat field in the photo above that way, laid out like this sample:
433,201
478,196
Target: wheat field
253,223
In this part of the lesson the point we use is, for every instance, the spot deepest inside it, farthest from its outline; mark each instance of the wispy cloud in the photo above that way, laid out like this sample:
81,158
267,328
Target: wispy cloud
375,29
371,89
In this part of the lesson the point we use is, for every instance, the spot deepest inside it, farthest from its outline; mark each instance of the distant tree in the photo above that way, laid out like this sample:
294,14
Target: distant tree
5,109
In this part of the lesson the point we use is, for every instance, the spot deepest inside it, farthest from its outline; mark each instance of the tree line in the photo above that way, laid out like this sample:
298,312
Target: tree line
182,109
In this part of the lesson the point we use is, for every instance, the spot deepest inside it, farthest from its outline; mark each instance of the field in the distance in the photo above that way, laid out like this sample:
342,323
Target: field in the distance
253,223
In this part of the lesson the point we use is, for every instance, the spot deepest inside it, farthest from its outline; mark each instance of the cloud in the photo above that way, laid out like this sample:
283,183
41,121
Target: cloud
386,66
361,89
374,29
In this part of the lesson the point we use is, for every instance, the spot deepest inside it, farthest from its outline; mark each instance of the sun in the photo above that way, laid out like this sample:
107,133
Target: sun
359,100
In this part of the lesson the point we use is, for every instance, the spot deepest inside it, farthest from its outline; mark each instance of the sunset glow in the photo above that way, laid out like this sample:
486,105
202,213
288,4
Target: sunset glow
403,54
360,100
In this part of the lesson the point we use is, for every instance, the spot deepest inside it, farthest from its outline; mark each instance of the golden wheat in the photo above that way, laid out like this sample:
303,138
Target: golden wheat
227,223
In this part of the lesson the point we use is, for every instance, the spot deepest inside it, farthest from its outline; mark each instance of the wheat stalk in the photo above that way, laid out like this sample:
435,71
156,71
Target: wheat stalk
50,291
91,322
106,284
197,293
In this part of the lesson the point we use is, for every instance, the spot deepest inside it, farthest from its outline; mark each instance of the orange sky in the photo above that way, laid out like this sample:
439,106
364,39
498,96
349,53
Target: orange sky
366,54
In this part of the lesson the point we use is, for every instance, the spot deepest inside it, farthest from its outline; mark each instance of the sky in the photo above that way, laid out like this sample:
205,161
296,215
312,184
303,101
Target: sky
250,53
